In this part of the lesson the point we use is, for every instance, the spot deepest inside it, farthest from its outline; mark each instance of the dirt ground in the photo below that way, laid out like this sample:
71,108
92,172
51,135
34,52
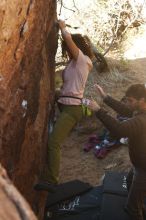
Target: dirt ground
77,164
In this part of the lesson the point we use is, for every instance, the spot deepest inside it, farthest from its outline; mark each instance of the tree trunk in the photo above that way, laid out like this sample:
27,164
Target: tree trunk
28,43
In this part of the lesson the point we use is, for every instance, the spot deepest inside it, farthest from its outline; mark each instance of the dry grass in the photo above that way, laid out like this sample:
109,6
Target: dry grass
110,81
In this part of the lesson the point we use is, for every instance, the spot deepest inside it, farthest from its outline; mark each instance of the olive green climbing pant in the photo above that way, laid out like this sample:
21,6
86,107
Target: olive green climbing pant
70,115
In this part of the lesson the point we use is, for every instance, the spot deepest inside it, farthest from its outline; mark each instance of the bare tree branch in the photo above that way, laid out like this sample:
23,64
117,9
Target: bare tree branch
62,5
75,5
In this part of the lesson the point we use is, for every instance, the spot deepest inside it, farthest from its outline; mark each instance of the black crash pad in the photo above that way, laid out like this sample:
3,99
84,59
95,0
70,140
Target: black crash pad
104,202
113,207
67,191
115,183
114,196
83,207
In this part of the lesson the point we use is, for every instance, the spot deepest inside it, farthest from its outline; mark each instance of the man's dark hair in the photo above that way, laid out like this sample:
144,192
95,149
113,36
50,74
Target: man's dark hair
137,91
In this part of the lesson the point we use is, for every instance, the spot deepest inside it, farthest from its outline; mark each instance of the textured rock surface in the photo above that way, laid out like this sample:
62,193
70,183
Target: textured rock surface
28,42
12,205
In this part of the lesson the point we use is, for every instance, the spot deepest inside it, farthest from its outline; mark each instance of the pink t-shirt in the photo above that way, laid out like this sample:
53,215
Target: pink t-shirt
74,79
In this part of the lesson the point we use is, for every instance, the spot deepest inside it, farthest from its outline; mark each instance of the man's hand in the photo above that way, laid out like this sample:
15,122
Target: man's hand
100,90
93,105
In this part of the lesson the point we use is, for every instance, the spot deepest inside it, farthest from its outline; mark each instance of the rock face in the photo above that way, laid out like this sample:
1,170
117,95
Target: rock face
12,205
28,43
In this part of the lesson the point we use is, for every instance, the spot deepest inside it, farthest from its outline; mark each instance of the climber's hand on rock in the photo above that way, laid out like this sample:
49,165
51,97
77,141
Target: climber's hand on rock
61,24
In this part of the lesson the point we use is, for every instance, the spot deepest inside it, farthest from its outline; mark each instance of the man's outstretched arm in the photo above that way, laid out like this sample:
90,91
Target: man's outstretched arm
128,128
118,106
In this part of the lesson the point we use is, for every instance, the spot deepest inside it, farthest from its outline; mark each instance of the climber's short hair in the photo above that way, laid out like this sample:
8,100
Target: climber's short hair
82,42
136,91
